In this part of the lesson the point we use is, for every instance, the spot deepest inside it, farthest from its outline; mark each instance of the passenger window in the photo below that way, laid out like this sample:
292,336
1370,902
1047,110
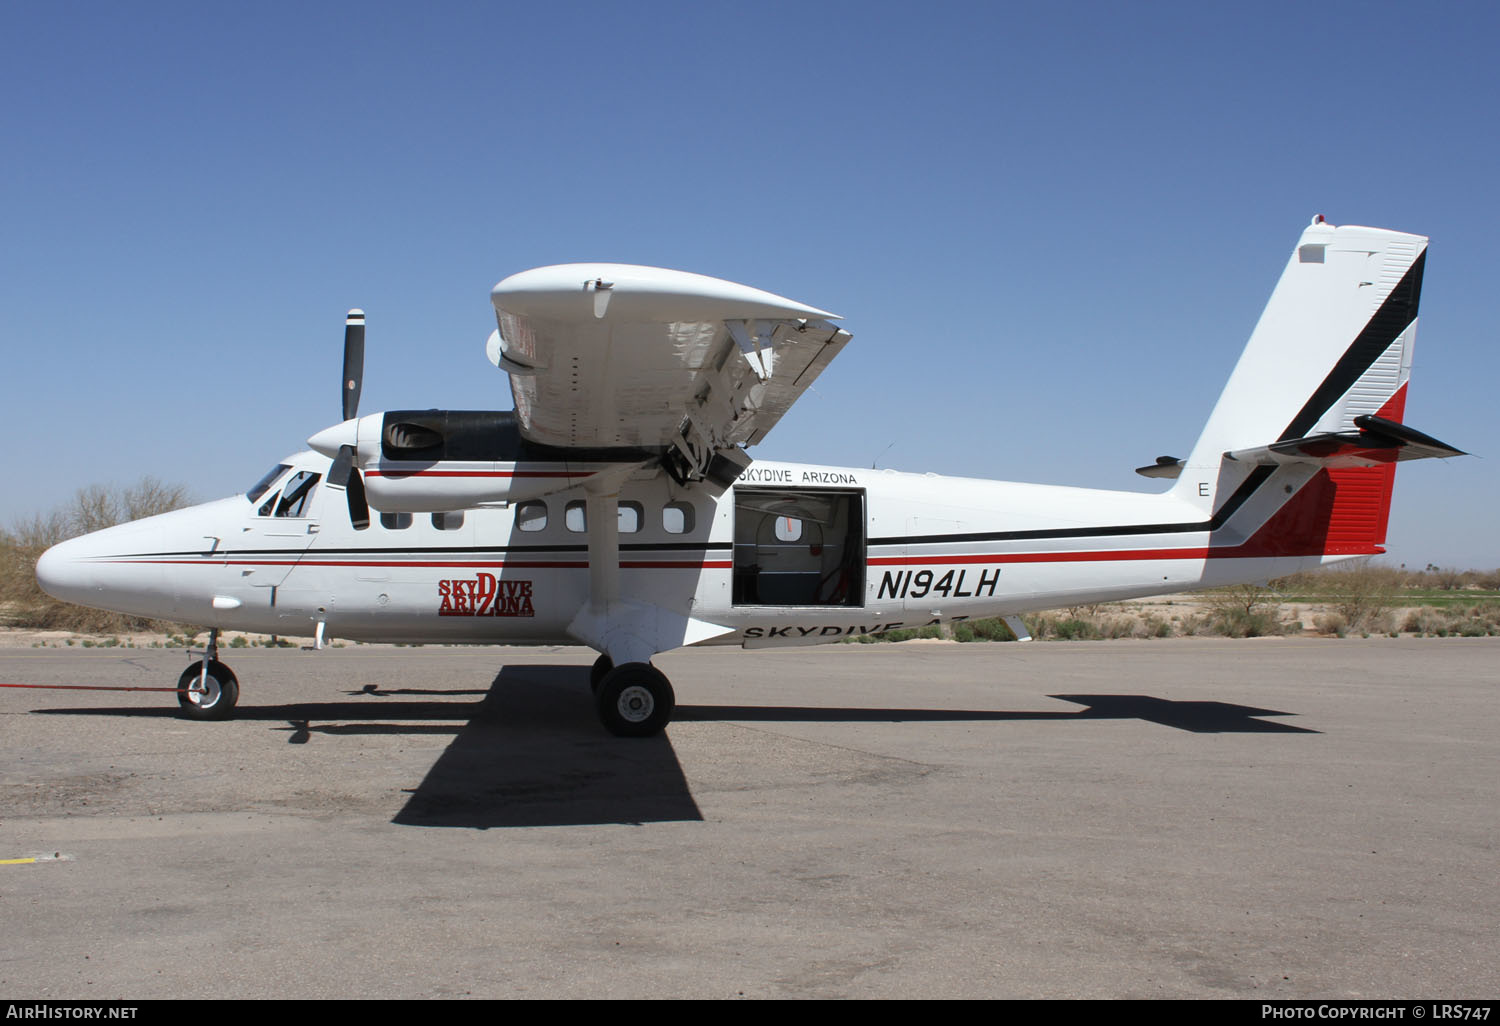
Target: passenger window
531,516
575,516
677,517
630,517
395,521
297,494
788,529
448,521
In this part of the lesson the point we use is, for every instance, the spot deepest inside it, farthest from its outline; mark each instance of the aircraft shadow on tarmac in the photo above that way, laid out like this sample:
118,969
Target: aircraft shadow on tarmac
1196,717
532,753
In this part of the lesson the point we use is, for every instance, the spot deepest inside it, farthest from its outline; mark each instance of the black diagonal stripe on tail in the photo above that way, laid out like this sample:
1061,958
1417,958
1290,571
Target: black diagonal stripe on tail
1394,316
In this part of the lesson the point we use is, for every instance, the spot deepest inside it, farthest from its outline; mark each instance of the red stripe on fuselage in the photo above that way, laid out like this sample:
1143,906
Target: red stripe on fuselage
530,564
397,475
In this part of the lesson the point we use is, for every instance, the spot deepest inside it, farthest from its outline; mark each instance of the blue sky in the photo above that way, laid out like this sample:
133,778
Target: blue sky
1049,227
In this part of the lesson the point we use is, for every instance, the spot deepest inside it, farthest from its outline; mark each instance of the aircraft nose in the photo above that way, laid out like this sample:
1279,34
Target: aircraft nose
65,573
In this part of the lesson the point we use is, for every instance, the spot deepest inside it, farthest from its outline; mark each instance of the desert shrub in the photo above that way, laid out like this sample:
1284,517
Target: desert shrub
907,634
1446,578
1244,611
1331,623
1361,594
1154,627
1075,628
1241,623
1117,626
1489,612
1245,597
1364,595
991,629
1418,620
1192,625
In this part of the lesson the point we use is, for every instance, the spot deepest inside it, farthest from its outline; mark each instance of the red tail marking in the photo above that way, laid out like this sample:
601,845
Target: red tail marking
1395,406
1338,513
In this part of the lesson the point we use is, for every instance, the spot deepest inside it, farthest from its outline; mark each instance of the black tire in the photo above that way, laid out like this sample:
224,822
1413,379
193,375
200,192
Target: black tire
217,703
635,700
597,672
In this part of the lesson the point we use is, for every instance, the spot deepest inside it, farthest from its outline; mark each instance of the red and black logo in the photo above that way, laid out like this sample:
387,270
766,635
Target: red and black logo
484,595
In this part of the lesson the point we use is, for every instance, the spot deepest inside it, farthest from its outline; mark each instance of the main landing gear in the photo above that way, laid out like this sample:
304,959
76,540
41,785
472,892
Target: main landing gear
633,700
208,690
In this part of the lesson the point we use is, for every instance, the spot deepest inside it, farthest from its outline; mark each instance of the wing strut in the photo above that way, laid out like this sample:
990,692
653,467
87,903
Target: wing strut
602,509
628,630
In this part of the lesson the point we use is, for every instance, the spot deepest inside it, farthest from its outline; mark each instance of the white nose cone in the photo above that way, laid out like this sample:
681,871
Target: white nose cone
62,575
81,570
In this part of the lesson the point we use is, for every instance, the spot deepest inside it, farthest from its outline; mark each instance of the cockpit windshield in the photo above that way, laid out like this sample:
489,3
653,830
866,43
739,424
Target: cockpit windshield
264,484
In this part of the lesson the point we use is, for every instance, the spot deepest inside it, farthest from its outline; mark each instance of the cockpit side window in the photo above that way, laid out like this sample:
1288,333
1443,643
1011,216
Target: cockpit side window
296,495
265,483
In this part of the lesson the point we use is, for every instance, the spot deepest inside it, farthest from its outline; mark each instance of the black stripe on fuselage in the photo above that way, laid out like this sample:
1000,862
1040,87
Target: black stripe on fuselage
466,550
1241,495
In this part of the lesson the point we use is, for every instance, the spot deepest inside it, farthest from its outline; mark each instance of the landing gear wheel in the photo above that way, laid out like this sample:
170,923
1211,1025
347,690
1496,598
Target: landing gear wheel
216,701
597,672
635,700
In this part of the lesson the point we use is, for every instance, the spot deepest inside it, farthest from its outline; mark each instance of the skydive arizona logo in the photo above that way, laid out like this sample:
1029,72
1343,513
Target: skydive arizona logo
485,596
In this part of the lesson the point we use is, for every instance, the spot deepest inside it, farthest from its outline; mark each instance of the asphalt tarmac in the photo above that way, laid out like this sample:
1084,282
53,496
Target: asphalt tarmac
1274,818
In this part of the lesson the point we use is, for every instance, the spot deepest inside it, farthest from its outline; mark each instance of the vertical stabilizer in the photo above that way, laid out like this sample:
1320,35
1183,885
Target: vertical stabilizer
1334,343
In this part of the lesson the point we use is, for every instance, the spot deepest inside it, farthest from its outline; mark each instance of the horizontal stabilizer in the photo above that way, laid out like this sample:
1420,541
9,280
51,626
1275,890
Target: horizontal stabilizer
1377,441
1165,466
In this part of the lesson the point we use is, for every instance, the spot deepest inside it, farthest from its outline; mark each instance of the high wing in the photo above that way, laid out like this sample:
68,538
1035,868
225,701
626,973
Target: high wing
606,356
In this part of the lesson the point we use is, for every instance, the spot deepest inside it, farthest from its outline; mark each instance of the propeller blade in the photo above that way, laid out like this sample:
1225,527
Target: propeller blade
338,474
344,474
354,361
359,509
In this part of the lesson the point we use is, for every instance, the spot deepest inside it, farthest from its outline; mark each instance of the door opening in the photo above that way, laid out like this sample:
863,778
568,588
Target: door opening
799,548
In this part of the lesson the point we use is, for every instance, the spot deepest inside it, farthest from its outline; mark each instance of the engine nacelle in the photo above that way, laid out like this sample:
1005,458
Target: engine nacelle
431,461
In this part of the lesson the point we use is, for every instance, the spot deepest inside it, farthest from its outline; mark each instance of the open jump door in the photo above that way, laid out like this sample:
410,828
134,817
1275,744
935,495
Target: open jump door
799,547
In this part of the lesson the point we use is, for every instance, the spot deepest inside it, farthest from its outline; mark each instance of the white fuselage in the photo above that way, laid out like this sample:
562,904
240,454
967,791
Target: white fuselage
790,554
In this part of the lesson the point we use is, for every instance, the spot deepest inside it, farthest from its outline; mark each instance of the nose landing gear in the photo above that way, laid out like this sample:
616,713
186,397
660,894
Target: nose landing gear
208,690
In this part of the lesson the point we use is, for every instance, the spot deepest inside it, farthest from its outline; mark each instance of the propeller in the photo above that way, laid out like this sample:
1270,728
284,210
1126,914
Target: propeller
343,472
354,361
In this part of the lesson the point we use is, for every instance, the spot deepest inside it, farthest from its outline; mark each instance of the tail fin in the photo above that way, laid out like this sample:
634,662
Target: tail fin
1322,384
